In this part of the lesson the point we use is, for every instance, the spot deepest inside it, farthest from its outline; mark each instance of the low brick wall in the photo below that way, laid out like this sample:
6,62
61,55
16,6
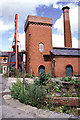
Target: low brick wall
69,101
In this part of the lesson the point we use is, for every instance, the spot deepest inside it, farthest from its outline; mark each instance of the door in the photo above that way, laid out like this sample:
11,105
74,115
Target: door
4,69
41,68
69,70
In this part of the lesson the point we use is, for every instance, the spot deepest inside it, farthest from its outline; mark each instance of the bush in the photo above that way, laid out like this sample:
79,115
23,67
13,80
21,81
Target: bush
43,78
33,95
5,75
70,79
15,73
29,76
0,68
17,89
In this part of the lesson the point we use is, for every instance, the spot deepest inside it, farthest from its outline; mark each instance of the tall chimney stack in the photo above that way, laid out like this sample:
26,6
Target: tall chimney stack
67,29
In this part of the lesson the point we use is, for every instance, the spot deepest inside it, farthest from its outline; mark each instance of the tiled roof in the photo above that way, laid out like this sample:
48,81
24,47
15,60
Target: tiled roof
65,51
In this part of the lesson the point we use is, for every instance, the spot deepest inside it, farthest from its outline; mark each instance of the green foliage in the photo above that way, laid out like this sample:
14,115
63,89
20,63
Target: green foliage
15,73
66,109
17,89
39,94
33,95
5,75
0,68
64,79
70,79
29,76
43,78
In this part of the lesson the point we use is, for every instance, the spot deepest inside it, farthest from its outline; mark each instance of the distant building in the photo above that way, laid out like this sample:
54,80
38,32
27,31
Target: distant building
4,61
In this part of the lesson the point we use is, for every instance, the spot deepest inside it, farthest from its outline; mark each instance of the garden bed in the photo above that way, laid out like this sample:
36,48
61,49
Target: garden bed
45,93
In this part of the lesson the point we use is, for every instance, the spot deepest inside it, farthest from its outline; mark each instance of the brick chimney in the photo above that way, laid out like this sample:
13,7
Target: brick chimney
67,29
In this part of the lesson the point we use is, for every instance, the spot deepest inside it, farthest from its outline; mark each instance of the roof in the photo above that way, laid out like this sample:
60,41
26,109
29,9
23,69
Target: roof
3,54
38,20
65,51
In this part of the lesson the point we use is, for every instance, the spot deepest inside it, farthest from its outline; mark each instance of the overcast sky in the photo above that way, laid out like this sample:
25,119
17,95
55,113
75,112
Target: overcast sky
45,8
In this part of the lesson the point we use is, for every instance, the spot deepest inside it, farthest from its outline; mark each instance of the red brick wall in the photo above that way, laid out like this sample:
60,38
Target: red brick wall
39,33
62,61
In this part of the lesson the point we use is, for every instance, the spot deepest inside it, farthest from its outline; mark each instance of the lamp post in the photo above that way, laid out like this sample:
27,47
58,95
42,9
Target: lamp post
23,76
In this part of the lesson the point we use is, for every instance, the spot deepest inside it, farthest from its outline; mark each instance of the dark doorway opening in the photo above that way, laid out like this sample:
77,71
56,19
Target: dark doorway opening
41,69
69,71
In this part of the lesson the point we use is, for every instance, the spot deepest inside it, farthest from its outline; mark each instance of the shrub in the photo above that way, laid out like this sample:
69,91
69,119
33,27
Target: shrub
29,76
17,89
5,75
70,79
43,78
0,68
33,95
64,79
15,73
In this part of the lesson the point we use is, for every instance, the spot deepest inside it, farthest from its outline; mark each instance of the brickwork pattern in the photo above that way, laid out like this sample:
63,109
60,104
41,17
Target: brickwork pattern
62,61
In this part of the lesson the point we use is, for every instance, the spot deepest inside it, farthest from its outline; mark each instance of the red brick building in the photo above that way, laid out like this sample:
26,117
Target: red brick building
39,52
38,43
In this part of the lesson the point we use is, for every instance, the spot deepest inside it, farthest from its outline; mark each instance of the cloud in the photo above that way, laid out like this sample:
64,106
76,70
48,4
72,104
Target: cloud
22,7
75,43
73,14
21,38
57,40
59,25
5,27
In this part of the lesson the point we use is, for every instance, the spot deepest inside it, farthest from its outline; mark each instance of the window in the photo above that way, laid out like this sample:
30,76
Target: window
41,47
4,69
4,60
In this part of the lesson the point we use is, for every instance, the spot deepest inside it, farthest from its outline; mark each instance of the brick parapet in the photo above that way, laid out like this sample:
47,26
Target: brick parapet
38,20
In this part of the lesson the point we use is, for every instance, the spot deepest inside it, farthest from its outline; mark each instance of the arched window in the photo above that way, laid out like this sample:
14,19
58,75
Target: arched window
69,70
41,68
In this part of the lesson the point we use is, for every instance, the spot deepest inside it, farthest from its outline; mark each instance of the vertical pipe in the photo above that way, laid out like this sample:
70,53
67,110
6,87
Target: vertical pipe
16,50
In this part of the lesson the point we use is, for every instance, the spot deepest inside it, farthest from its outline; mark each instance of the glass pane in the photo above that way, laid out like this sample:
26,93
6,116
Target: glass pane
41,47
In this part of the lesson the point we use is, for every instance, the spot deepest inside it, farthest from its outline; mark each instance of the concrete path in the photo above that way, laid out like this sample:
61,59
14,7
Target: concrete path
14,109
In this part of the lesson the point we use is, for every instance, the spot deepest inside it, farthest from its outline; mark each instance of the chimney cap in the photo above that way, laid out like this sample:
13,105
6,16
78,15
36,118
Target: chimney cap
66,7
